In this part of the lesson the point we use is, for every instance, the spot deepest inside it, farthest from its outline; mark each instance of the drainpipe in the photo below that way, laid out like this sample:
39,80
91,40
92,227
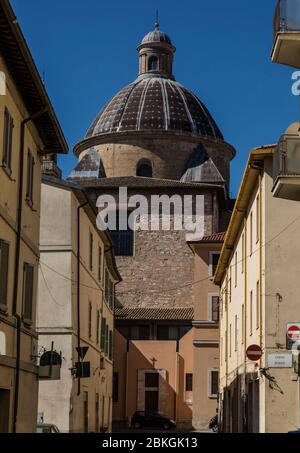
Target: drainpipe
78,287
245,318
226,349
17,263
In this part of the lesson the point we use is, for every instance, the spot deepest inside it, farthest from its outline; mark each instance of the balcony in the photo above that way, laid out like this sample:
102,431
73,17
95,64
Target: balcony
286,165
50,168
286,42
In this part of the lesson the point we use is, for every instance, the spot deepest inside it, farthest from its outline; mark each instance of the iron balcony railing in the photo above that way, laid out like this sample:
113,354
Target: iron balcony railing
286,161
287,16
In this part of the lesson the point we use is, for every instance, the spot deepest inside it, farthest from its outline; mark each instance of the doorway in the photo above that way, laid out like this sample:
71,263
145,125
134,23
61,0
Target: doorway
4,410
151,400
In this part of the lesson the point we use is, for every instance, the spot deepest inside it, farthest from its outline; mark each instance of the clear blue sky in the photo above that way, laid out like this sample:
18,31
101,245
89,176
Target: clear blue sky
87,49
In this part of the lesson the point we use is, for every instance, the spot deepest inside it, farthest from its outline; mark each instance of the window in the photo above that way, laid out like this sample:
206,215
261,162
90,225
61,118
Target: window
91,246
214,307
7,140
109,290
116,387
251,233
213,262
123,239
144,169
257,304
213,383
257,218
97,406
110,346
235,269
99,264
106,339
236,333
152,380
251,312
98,327
30,178
90,319
188,382
153,64
4,261
103,330
172,333
86,412
28,293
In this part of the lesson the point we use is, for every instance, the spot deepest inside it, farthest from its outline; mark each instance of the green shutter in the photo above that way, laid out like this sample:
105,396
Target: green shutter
106,339
4,261
103,326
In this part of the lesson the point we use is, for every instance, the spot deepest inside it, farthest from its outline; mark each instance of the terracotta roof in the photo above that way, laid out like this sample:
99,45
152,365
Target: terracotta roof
171,314
138,181
22,68
218,237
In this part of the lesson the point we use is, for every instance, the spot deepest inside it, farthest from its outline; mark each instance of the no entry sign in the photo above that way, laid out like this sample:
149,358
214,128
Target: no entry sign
254,353
293,332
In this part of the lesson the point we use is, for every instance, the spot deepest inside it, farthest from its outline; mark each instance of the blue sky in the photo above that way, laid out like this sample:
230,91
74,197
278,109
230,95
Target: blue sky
87,51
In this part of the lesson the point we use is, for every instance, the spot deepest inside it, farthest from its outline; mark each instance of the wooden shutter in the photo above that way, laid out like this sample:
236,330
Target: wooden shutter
4,261
103,328
28,291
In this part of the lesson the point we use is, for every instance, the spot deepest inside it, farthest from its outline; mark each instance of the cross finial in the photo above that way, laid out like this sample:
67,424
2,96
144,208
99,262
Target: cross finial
156,21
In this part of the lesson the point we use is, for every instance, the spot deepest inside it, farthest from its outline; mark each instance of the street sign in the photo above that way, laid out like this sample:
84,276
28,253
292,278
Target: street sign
254,353
293,332
280,360
82,351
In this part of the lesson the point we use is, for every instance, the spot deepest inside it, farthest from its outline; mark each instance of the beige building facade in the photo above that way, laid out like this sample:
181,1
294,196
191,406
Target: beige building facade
28,131
77,281
258,299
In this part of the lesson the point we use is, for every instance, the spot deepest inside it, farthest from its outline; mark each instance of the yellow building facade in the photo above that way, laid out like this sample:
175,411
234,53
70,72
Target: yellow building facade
28,130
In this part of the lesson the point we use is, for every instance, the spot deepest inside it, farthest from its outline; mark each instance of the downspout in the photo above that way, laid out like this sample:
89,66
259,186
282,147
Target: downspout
245,318
16,315
78,288
260,268
226,355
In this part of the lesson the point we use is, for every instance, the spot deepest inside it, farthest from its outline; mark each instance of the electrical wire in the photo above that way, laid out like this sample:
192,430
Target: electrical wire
134,291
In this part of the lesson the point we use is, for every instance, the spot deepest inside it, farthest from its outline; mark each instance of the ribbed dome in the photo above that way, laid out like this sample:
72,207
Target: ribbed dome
157,36
155,103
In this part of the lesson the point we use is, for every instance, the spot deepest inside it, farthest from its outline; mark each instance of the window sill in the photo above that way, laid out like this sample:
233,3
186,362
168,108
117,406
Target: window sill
28,323
213,397
3,310
8,172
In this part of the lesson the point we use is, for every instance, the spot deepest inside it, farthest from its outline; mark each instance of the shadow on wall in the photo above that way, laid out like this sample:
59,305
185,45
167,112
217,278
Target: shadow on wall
151,376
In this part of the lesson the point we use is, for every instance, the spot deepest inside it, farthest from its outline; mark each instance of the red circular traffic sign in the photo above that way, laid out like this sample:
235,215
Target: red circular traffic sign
293,333
254,353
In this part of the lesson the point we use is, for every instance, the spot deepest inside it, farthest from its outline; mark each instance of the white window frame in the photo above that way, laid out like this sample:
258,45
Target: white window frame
210,308
210,267
210,371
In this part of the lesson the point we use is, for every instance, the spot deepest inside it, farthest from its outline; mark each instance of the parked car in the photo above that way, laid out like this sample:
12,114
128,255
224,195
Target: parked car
150,419
47,429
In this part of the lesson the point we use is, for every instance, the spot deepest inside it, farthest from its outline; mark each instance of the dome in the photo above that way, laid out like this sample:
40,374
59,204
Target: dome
157,36
155,104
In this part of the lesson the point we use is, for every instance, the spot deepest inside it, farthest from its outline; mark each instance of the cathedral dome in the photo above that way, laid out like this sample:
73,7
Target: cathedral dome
155,103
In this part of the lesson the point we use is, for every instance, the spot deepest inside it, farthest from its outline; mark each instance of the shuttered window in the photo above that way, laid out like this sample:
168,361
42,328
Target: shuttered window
98,327
215,308
103,329
28,292
7,140
30,178
110,351
106,339
4,260
90,319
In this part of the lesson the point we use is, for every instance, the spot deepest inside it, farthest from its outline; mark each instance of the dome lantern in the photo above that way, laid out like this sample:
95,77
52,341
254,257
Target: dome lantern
156,54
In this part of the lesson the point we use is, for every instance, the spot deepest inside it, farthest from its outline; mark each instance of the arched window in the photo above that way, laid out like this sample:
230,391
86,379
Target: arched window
153,64
144,169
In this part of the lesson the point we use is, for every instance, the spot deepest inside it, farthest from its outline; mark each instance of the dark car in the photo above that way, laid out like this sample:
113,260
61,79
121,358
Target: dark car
47,429
150,419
